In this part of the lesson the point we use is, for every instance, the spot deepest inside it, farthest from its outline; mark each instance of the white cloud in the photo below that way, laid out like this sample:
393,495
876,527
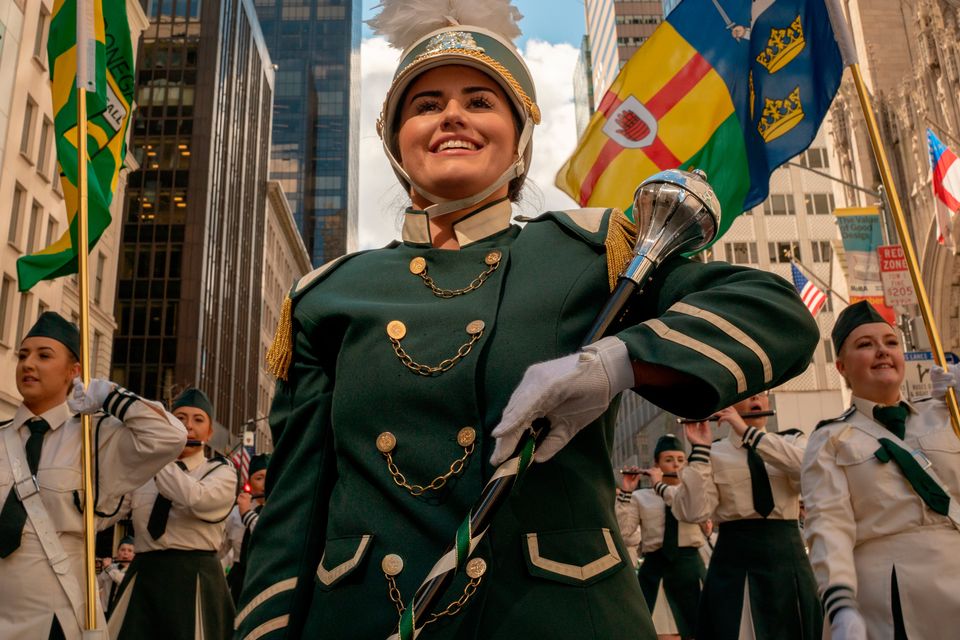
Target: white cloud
381,198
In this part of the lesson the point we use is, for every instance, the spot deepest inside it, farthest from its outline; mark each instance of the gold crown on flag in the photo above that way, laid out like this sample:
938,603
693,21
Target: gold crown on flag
780,116
783,46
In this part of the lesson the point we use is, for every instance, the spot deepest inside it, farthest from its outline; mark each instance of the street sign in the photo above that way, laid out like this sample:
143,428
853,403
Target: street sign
916,383
897,286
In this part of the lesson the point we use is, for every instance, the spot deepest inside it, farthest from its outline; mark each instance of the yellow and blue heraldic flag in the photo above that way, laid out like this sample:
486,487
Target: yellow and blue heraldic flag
109,60
733,87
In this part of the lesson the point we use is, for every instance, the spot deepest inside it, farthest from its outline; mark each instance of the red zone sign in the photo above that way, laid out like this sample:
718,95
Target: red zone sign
897,286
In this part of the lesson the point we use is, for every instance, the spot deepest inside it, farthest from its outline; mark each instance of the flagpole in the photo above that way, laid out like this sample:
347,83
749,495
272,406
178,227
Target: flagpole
886,176
813,276
84,78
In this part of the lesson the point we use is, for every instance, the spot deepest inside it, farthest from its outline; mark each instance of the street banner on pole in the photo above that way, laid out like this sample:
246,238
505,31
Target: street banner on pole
733,87
860,233
894,274
109,50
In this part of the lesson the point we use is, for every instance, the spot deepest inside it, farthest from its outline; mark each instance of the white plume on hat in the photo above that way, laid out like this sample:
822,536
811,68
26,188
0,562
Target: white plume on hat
404,22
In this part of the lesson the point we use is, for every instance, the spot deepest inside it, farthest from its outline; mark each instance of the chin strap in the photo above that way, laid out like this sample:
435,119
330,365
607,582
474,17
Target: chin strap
444,206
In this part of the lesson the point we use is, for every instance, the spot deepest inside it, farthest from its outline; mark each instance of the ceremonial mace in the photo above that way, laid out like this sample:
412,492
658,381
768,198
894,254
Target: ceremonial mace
676,212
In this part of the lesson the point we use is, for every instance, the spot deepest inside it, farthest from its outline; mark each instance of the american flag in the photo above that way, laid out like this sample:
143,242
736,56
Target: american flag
810,293
241,460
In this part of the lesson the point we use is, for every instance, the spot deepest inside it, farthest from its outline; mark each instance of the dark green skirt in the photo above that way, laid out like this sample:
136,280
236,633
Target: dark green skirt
681,578
769,556
163,602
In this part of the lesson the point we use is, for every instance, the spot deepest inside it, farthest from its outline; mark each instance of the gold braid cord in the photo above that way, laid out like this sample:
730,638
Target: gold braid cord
280,353
621,238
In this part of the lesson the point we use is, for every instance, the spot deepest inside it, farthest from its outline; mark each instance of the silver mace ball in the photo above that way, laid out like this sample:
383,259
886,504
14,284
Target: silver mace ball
676,212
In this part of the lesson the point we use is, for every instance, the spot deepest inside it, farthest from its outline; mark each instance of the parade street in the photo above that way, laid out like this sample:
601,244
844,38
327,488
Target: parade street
479,320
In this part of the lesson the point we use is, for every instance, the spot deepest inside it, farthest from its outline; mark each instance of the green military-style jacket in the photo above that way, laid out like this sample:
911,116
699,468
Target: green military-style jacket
337,519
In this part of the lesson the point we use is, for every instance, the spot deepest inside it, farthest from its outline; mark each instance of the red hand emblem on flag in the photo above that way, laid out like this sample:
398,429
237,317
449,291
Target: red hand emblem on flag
632,126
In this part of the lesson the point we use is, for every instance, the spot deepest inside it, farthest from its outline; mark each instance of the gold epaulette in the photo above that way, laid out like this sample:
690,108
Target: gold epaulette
280,353
621,238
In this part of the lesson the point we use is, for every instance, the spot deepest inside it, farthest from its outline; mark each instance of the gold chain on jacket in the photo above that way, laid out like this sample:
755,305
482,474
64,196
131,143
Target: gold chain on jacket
387,442
418,267
396,330
392,565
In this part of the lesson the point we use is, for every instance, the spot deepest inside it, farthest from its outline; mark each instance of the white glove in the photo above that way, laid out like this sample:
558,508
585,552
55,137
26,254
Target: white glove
942,380
848,624
571,392
90,401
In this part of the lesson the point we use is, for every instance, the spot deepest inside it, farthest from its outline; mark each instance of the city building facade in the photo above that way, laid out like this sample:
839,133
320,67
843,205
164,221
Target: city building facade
910,58
285,260
191,270
32,209
315,156
615,30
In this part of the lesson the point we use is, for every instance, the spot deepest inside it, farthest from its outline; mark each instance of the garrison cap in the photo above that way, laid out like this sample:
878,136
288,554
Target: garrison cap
195,398
259,462
52,325
126,540
852,317
668,442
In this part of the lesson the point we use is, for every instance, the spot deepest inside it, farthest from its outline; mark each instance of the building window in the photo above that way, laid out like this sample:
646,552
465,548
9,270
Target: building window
16,215
51,230
740,252
641,19
26,137
44,153
783,252
630,41
33,231
40,42
6,295
815,158
821,250
819,203
828,351
98,282
95,351
779,204
23,316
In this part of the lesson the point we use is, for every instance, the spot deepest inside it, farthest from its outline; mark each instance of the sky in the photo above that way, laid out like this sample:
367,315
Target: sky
550,44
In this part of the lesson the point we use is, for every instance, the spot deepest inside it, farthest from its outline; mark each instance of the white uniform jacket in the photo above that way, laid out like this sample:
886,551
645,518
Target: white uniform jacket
202,497
864,521
131,447
716,481
646,509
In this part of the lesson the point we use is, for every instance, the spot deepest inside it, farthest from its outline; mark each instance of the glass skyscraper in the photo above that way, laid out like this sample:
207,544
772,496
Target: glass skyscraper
191,267
315,47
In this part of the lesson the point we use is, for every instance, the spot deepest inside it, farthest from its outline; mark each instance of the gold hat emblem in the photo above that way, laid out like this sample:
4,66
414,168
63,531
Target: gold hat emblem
452,40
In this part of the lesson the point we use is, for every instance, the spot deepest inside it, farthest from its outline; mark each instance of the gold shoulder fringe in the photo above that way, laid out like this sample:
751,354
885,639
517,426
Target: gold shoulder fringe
280,353
621,238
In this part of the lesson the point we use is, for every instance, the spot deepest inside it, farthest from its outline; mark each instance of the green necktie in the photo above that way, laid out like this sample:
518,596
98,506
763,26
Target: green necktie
925,486
14,515
671,534
893,418
759,483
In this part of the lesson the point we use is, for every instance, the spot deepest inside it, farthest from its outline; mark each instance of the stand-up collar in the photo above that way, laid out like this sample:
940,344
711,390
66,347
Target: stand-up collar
865,406
482,223
55,417
194,460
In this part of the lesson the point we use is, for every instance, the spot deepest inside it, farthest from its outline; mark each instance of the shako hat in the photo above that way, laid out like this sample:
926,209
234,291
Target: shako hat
477,34
52,325
852,317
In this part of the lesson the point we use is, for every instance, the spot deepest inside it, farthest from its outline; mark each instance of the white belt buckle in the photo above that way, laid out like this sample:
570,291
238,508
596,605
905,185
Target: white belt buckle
27,487
921,458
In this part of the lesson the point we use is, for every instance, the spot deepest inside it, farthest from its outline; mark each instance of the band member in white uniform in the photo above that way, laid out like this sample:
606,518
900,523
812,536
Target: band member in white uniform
175,587
880,485
134,439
